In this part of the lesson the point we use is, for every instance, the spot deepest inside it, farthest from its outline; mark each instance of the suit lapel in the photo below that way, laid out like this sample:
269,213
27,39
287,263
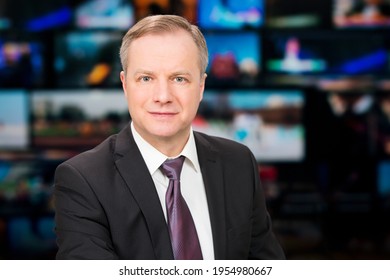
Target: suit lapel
212,173
133,170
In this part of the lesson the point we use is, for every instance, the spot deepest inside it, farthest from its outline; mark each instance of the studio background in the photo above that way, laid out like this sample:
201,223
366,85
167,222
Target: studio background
307,90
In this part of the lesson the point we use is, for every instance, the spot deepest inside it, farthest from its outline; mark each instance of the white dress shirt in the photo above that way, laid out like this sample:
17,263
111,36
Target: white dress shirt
192,186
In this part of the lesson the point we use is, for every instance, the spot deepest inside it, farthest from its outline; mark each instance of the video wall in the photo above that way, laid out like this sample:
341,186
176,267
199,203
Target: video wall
304,84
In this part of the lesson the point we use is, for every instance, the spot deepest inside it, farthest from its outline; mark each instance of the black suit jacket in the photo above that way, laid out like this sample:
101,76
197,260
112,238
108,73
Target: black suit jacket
107,206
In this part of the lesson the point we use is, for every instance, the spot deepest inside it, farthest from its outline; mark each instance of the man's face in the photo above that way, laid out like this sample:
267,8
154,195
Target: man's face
163,85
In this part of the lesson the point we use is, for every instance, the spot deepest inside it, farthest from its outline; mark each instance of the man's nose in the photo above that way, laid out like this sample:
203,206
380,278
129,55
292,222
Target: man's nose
162,92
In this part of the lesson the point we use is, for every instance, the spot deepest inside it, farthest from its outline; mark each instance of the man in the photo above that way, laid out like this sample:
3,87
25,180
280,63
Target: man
112,201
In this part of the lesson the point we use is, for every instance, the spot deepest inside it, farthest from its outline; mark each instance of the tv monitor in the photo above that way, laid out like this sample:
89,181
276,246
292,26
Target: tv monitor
22,182
300,14
184,8
104,14
233,57
230,14
5,20
383,173
88,59
349,127
361,13
14,120
22,63
144,8
31,238
37,16
268,121
321,52
76,119
26,191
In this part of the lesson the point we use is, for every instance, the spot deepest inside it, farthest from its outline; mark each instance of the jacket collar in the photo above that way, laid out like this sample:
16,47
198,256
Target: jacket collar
212,172
132,168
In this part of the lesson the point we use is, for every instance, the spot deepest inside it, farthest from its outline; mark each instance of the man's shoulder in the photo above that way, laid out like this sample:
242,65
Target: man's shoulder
101,154
220,144
232,155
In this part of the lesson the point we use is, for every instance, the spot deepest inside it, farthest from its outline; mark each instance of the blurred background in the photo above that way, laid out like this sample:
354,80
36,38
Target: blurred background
305,84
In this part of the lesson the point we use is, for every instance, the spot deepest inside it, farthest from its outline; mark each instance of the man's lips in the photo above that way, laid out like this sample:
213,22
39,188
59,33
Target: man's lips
163,114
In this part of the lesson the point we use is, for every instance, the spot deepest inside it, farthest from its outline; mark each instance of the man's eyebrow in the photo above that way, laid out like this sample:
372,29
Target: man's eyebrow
143,71
181,73
173,74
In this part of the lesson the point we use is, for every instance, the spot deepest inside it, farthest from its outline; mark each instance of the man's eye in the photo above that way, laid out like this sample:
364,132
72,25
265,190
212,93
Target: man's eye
145,79
180,79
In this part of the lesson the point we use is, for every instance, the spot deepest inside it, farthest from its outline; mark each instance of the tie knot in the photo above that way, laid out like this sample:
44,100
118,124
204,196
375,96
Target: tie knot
172,167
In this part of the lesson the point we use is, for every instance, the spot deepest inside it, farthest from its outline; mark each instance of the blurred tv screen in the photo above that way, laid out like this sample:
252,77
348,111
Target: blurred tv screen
31,237
72,119
361,13
231,14
106,14
383,173
144,8
5,19
315,52
22,181
299,14
185,8
14,120
21,63
88,59
269,121
36,16
233,57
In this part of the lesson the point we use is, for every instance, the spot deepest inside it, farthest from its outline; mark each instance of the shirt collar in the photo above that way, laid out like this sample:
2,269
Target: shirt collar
190,152
154,158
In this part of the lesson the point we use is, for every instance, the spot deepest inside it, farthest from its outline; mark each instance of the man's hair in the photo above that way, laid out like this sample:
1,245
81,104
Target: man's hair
158,24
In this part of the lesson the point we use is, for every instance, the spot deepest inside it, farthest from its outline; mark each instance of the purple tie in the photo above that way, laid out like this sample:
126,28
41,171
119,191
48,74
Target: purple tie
184,239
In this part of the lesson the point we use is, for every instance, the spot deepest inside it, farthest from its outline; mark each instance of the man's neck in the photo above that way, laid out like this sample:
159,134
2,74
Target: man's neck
169,146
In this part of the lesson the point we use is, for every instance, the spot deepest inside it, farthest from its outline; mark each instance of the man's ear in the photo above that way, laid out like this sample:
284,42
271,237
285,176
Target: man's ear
202,85
122,76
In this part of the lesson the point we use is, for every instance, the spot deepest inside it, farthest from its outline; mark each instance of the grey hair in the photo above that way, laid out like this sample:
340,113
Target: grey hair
159,24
